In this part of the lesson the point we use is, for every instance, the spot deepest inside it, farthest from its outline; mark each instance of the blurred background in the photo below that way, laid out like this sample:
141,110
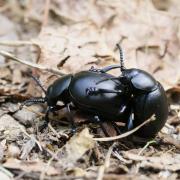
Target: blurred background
74,35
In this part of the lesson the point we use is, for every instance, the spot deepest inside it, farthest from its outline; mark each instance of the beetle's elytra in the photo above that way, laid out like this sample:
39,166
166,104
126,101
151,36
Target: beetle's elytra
132,97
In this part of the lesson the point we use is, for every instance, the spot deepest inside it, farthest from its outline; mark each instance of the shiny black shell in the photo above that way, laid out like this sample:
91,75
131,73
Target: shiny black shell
145,105
58,91
149,98
110,106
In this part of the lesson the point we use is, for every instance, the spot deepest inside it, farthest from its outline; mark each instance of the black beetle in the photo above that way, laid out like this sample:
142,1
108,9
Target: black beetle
133,97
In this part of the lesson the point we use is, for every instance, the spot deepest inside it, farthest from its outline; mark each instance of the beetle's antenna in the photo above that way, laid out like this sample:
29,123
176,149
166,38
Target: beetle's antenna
32,101
121,57
38,82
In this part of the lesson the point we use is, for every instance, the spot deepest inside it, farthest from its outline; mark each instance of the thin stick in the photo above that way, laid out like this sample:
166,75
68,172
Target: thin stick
58,134
125,134
18,43
6,171
54,156
46,13
28,135
147,144
106,164
40,145
11,56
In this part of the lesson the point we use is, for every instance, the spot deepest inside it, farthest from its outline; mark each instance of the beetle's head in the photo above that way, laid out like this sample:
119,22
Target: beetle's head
51,97
138,81
127,75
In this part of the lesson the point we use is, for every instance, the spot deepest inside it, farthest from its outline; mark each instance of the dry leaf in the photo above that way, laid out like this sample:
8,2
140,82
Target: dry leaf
27,147
77,172
76,46
27,117
11,128
75,36
166,161
1,152
75,148
30,166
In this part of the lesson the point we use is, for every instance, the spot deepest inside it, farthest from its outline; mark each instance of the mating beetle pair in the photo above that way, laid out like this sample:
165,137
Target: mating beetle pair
132,97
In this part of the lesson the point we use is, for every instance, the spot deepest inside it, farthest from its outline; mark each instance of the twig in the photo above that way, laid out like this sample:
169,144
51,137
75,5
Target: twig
5,171
40,145
46,13
125,134
47,166
18,43
106,163
147,144
118,156
58,134
28,135
51,153
11,56
54,156
169,126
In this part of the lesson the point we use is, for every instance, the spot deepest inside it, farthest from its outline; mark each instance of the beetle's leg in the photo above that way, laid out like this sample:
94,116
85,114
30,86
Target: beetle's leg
116,127
38,82
70,118
46,118
105,69
95,91
98,120
130,121
32,101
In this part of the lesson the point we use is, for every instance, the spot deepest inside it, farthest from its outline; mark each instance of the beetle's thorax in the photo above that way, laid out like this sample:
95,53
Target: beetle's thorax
139,80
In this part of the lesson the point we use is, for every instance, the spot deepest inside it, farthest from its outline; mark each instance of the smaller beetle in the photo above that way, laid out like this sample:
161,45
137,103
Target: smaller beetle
133,97
148,99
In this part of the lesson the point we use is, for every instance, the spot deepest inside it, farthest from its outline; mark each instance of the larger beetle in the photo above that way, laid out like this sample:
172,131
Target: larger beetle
133,97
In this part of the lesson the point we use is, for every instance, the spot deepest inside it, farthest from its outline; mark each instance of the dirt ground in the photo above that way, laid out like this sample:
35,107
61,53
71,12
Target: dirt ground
49,38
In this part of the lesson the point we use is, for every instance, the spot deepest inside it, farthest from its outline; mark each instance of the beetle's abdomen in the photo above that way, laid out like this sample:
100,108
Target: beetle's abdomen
148,104
105,103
